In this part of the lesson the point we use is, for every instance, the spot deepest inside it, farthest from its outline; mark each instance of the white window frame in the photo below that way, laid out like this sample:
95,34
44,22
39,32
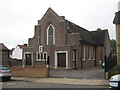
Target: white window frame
89,53
24,62
40,59
93,53
53,34
83,53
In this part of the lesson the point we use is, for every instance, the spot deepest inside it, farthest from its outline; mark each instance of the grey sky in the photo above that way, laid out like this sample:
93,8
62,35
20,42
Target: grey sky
18,17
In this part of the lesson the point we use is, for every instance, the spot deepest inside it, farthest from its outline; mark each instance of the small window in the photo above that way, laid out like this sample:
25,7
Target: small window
93,53
73,56
50,35
89,53
83,54
42,56
38,56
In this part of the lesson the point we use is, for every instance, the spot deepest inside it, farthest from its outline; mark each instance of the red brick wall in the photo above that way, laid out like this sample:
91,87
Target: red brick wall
29,71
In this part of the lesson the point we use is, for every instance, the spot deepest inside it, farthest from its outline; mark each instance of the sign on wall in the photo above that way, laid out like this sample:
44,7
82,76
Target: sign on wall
40,48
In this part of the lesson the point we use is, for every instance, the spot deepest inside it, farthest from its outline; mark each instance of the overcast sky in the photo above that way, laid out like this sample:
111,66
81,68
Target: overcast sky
18,17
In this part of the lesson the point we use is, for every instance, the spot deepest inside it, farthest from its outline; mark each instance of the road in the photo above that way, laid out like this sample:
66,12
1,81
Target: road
29,84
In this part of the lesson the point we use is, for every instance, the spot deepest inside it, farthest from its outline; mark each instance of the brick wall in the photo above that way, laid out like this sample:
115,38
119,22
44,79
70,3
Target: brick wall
118,43
30,71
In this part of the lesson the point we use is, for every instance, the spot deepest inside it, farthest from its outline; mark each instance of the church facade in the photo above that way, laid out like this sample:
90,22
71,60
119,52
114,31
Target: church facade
65,44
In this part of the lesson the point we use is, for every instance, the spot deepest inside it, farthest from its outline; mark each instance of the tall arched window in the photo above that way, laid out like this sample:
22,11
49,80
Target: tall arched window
50,35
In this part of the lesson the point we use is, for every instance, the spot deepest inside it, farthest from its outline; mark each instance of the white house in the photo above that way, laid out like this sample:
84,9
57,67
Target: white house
17,52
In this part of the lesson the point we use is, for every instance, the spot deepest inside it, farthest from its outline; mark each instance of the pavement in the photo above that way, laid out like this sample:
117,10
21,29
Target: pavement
83,81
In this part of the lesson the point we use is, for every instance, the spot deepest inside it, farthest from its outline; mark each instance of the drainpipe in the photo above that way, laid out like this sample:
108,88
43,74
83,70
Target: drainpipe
101,54
75,57
81,54
95,57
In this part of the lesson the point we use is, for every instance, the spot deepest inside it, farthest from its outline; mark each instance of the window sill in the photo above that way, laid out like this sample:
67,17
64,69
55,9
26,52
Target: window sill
83,59
41,60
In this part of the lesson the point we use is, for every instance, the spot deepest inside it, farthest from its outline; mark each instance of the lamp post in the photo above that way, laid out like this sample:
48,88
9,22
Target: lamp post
75,57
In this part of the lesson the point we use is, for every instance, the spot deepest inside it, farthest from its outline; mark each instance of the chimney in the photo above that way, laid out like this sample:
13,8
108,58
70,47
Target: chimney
99,29
25,45
63,17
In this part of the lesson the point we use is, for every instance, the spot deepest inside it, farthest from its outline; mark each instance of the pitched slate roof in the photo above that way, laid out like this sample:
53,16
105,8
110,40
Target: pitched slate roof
3,47
99,36
92,37
117,18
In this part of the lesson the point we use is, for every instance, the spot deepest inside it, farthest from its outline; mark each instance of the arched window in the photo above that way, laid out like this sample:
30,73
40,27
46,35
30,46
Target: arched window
50,35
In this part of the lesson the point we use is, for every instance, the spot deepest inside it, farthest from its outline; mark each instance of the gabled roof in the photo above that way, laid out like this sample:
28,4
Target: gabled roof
92,37
3,47
50,10
117,18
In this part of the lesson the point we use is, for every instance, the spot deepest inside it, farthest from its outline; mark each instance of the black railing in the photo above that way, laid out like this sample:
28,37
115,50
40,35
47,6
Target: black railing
110,62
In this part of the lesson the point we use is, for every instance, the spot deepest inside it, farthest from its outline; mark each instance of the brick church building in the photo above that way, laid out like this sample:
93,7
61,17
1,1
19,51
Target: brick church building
66,44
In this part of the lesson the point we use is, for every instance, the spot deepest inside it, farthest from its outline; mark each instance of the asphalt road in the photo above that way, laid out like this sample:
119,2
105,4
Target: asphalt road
28,84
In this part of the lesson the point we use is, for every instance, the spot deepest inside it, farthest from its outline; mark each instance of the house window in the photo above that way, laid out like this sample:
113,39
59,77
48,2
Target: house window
73,56
50,35
83,54
89,53
93,53
42,56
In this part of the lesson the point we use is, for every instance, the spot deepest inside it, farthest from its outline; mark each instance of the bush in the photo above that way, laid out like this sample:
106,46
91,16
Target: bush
115,70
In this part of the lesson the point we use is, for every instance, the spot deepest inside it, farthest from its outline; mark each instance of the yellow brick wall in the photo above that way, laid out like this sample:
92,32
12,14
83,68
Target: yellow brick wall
118,43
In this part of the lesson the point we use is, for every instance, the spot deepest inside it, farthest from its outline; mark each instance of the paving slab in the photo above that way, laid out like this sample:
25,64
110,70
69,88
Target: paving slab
90,73
66,81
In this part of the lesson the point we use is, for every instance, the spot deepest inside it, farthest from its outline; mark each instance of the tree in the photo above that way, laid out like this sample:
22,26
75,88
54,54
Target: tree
113,44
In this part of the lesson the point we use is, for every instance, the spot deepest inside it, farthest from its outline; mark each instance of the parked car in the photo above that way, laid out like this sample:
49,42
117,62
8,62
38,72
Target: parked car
115,81
5,73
